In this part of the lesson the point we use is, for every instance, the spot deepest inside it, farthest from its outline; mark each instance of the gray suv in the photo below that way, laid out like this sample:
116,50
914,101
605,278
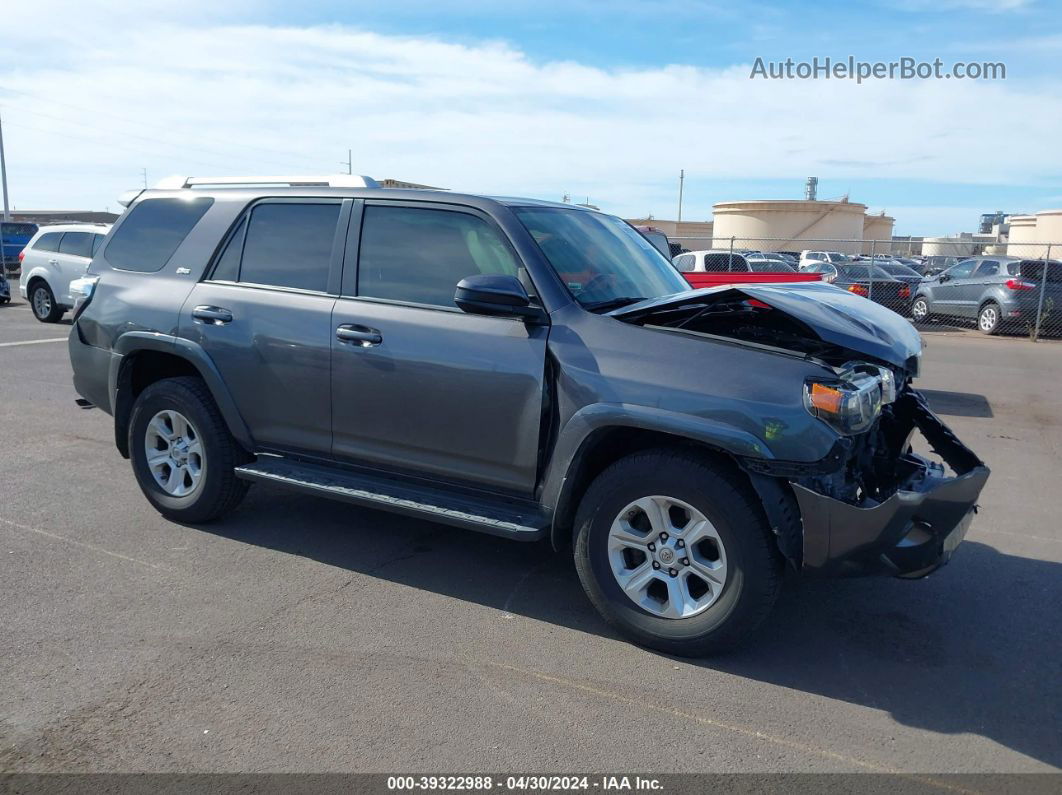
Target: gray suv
997,292
521,368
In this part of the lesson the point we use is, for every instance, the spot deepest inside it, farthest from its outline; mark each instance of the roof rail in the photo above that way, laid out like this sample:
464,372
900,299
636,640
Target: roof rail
327,181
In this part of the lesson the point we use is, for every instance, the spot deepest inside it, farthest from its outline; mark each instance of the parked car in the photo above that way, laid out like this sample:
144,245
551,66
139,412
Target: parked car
897,270
808,257
14,235
5,288
869,281
715,267
658,238
995,291
934,264
522,368
55,256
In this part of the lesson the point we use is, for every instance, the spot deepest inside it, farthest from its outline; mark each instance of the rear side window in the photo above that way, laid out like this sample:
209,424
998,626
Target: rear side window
79,244
723,263
146,240
288,245
48,241
988,268
419,255
686,263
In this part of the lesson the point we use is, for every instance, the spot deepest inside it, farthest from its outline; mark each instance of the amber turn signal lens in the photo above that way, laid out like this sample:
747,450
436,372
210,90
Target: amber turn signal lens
824,398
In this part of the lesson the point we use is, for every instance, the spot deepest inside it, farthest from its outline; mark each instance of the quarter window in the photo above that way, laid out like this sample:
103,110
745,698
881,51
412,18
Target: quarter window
154,229
288,245
418,255
96,240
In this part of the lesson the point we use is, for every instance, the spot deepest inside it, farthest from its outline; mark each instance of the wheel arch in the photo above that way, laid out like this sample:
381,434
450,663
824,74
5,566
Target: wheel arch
599,435
147,358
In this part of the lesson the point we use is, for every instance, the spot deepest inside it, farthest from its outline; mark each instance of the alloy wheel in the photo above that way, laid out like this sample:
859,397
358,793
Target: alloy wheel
988,319
174,453
667,557
42,302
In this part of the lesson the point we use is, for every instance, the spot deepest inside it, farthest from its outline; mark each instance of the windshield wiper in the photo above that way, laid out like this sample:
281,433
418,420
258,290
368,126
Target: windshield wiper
612,303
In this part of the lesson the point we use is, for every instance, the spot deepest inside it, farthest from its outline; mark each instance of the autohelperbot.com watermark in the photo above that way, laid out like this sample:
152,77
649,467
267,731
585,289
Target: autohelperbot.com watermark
905,68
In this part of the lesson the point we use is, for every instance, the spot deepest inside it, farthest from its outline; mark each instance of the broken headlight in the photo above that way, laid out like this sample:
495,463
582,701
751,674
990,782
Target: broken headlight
852,401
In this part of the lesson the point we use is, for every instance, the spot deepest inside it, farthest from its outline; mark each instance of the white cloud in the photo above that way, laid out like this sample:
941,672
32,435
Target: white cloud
212,97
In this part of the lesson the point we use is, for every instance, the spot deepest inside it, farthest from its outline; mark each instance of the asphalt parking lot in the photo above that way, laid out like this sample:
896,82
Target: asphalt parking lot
307,635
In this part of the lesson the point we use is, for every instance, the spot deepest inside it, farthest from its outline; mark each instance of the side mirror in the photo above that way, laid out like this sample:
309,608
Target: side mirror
498,295
943,277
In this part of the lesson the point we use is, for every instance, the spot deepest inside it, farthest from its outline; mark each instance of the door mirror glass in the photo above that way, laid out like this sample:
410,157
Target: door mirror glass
496,294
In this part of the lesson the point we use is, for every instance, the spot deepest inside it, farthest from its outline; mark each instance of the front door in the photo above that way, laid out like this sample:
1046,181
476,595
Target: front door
948,291
264,316
417,384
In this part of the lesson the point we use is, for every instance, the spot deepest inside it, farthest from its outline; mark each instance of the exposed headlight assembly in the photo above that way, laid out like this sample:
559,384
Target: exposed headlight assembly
852,401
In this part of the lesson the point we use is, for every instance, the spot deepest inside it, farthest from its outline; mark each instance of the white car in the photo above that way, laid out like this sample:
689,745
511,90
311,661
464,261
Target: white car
55,256
711,261
809,257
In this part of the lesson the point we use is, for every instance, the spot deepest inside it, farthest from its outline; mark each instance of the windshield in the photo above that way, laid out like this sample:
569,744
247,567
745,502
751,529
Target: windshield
602,260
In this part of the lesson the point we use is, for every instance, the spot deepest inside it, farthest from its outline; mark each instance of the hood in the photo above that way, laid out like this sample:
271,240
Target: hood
833,315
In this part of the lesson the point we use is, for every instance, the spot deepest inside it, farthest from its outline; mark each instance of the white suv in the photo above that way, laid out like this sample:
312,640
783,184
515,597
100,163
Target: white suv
808,258
56,256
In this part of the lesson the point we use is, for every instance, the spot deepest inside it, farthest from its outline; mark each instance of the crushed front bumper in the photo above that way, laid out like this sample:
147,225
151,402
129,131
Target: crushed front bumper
914,531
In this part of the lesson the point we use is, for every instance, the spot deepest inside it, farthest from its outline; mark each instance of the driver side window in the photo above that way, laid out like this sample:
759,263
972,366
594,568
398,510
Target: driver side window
418,255
962,270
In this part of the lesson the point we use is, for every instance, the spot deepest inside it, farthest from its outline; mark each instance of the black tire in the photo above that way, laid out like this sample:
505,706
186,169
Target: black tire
52,311
989,318
754,564
219,490
926,316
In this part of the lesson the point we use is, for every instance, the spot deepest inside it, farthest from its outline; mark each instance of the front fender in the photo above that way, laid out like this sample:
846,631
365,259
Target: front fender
133,342
576,437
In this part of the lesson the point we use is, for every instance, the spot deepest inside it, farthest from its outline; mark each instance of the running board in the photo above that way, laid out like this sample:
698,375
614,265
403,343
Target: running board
518,519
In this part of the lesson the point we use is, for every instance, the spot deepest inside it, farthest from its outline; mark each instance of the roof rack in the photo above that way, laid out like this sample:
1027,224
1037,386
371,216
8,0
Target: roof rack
327,181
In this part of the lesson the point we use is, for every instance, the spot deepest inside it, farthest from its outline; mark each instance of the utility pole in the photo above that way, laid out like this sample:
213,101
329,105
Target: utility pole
348,162
143,174
682,178
3,172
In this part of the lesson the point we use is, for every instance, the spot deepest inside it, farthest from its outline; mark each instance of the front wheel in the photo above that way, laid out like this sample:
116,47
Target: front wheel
43,304
674,551
182,453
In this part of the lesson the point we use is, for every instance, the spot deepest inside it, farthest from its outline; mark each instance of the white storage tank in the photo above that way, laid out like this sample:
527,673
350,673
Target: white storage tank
1049,230
1023,237
947,246
799,224
878,228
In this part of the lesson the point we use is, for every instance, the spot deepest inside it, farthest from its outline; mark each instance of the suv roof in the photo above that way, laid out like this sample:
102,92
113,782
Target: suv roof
74,226
353,186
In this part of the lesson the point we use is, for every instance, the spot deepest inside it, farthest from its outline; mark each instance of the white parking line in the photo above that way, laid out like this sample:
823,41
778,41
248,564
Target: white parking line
31,342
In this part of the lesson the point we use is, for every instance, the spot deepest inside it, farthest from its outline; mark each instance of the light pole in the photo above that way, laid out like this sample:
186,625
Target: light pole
3,172
682,178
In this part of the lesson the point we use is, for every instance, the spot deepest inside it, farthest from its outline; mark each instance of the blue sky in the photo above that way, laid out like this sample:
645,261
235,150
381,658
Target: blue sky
606,100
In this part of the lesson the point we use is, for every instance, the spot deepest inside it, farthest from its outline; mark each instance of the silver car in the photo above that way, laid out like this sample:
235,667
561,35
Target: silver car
995,291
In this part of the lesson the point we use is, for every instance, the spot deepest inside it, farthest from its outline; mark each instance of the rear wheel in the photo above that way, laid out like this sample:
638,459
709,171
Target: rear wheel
182,453
989,318
43,304
675,553
920,310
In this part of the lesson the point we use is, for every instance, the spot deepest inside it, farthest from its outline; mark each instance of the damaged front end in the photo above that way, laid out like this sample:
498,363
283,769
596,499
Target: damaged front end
885,509
872,505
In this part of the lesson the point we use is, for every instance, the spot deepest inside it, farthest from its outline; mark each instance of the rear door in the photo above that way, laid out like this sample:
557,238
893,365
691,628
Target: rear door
264,316
425,387
986,274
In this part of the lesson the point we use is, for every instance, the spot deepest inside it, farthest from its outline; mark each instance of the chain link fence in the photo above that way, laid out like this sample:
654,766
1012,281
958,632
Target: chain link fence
1004,288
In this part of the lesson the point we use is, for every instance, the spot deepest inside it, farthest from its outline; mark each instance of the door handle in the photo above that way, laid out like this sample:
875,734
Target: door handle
364,336
215,315
53,262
